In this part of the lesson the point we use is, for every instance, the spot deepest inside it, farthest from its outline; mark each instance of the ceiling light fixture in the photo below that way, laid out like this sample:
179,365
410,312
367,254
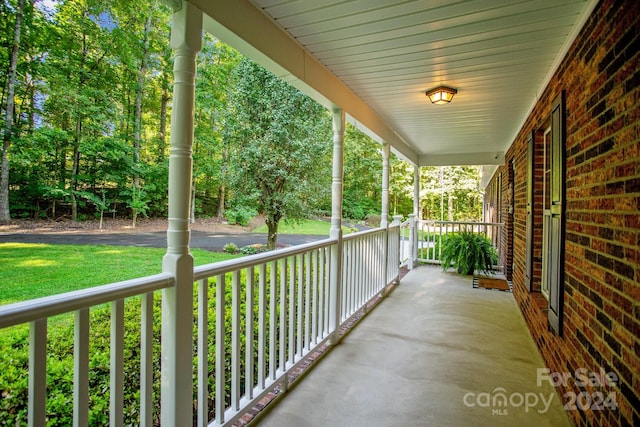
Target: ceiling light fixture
441,95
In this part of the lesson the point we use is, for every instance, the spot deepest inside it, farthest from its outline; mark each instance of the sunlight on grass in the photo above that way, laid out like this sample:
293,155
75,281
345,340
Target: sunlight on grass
23,245
110,251
36,270
37,263
307,227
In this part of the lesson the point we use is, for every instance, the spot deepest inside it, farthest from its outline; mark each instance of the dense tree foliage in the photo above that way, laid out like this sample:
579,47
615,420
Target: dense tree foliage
86,97
451,193
281,146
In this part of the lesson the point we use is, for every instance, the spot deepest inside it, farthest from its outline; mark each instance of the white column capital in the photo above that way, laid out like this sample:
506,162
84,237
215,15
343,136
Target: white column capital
338,121
186,30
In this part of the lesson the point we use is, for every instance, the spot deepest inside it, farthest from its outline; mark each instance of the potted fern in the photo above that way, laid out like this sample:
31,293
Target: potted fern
468,252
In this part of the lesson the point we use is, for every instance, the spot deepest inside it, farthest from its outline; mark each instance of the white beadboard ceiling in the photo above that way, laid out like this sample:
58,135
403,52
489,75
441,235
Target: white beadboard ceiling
498,54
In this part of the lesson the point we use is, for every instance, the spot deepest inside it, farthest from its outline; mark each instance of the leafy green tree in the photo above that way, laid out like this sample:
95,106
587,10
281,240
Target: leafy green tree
81,80
362,193
280,147
89,127
400,187
211,141
451,193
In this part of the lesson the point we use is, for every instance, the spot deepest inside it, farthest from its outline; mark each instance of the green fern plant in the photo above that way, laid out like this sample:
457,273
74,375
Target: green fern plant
468,252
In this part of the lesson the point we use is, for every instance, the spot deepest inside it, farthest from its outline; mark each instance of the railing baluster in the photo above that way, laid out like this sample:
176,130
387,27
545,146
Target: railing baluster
116,414
81,368
146,360
315,270
381,283
322,293
307,301
292,310
37,372
249,322
300,319
369,268
355,302
262,325
220,348
347,281
273,286
377,265
361,259
235,341
283,321
357,275
203,352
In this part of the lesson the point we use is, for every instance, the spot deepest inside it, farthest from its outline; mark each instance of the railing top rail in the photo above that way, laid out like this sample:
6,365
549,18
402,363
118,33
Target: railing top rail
364,233
223,267
40,308
435,221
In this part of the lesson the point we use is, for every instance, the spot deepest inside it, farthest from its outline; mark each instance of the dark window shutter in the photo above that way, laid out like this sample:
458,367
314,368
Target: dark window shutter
556,262
528,270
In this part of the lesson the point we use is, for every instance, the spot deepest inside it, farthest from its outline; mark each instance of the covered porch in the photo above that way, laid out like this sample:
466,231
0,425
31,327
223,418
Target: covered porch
435,352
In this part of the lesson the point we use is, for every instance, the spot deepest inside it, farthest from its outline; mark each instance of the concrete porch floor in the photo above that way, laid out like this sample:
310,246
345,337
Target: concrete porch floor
434,353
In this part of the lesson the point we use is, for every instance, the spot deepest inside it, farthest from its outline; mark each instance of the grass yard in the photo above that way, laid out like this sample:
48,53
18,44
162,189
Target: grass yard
32,270
311,227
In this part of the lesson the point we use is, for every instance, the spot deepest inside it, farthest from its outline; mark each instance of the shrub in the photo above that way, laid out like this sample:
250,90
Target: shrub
240,215
253,249
230,248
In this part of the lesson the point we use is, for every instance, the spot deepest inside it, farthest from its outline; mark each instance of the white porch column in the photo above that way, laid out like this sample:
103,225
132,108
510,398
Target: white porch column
384,214
413,241
414,219
335,286
416,192
177,302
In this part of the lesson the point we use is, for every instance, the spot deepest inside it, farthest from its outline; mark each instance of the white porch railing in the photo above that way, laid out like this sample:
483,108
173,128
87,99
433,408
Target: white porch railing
422,240
258,319
37,312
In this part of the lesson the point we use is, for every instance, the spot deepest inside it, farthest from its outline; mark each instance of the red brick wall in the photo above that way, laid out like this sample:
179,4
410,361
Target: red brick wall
601,329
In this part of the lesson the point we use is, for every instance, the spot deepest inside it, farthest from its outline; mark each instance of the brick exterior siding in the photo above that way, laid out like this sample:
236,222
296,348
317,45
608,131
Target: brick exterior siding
601,329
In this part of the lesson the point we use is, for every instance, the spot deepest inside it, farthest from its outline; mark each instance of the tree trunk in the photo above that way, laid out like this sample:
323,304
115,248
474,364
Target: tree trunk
8,128
162,134
221,197
450,206
75,168
272,233
137,112
223,178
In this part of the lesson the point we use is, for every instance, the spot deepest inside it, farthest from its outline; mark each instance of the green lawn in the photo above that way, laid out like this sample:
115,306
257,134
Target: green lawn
36,270
311,226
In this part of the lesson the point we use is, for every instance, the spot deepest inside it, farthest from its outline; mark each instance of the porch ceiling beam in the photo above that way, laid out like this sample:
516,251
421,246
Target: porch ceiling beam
463,159
239,24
